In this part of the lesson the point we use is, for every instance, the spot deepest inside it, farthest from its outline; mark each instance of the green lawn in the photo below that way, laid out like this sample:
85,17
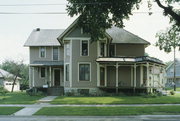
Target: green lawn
9,110
18,98
118,100
108,111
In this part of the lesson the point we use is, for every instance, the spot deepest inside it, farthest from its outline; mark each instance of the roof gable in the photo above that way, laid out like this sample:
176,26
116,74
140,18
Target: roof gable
120,35
44,37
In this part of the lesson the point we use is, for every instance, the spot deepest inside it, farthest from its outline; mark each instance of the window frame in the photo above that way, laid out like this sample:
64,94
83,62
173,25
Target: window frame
81,48
41,51
53,53
84,63
41,72
66,72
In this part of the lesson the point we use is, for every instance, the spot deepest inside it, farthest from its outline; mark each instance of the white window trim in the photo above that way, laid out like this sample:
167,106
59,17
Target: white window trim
58,53
89,70
65,72
40,73
40,52
81,47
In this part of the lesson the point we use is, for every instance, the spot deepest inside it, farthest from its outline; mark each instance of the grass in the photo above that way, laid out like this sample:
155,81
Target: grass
175,99
9,110
108,111
18,98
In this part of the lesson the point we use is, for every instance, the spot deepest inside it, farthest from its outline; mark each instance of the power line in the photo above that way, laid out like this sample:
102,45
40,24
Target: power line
94,3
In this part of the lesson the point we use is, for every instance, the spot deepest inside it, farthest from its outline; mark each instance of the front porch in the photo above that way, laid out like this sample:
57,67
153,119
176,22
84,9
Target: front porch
129,73
48,76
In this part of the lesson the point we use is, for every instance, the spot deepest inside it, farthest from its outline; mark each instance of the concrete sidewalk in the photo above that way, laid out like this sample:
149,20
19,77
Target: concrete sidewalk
29,110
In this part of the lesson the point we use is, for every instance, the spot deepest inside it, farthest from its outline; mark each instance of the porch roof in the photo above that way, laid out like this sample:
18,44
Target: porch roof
129,59
47,63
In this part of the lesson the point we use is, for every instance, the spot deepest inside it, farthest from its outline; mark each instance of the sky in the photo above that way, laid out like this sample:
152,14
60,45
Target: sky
15,28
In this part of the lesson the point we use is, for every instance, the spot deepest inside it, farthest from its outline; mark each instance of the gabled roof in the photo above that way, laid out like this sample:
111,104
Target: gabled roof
44,37
120,35
4,73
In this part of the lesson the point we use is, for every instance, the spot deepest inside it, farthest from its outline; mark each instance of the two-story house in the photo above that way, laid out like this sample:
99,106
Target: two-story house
68,59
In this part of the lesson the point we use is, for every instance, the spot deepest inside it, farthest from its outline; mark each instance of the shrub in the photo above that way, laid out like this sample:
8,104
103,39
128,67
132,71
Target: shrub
172,92
3,91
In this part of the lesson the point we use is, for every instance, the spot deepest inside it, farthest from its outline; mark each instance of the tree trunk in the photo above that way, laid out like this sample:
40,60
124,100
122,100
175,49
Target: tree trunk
14,81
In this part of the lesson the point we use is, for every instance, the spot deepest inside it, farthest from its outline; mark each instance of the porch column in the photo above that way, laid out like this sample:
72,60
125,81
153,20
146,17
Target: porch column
105,75
141,75
98,75
147,83
117,76
134,76
33,77
30,77
131,76
50,77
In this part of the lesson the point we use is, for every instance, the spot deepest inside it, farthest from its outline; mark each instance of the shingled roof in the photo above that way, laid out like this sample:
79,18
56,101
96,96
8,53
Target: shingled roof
120,35
44,37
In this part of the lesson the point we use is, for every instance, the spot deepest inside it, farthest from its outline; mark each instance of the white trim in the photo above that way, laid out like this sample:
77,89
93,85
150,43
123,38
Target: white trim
147,83
117,75
89,71
58,53
98,77
132,76
30,77
81,48
33,77
70,65
40,52
40,73
105,75
135,75
141,75
50,76
98,49
82,30
65,72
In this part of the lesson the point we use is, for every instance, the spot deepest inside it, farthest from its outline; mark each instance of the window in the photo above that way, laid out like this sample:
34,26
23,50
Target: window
102,50
67,49
42,72
55,53
84,72
42,52
67,72
112,50
84,48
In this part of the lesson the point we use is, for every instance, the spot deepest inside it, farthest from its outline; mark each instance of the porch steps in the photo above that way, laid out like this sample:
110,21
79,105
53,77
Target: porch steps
55,91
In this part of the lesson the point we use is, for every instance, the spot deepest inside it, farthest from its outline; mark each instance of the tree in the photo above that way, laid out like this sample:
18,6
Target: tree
18,69
169,40
95,16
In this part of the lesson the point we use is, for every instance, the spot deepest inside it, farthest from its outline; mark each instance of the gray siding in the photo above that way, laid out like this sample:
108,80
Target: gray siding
124,76
34,54
129,50
76,32
111,76
76,58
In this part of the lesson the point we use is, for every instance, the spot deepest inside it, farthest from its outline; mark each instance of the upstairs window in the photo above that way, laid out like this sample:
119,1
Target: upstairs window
84,48
102,50
42,52
112,50
55,53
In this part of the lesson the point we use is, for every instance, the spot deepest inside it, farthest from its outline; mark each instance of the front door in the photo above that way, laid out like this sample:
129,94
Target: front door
102,76
56,77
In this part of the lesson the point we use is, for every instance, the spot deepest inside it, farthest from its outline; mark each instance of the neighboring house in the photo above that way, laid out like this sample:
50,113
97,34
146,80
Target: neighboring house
68,59
170,74
6,80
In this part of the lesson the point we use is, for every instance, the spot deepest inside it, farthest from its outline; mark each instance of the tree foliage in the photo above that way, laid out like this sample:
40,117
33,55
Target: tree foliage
98,15
95,16
169,39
